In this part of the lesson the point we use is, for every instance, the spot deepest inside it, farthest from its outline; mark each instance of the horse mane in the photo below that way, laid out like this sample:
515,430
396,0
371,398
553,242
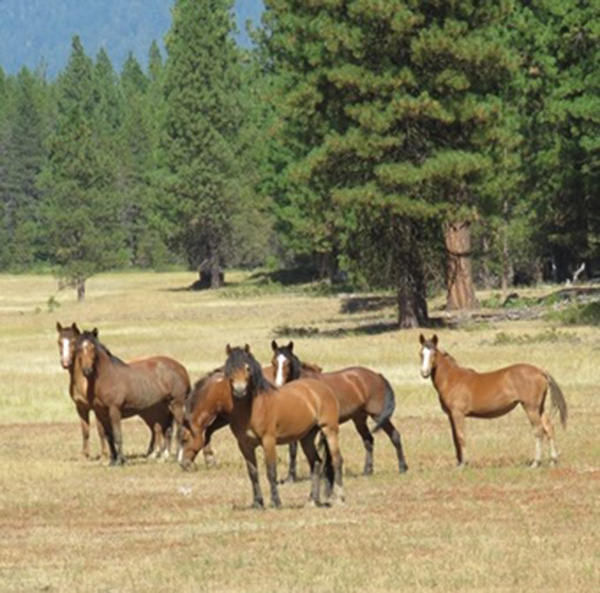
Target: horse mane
311,366
91,336
195,394
239,357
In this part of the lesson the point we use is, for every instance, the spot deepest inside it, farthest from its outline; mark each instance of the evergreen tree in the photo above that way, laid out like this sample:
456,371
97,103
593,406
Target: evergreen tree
22,158
81,210
393,105
202,125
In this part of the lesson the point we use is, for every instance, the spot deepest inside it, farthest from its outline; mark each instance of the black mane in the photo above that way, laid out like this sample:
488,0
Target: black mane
92,337
239,357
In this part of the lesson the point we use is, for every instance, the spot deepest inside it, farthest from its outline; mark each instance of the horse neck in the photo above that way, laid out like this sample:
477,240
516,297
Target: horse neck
443,368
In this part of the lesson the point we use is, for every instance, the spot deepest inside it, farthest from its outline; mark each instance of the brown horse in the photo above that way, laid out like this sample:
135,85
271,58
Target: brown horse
207,409
266,416
465,392
360,392
78,386
153,388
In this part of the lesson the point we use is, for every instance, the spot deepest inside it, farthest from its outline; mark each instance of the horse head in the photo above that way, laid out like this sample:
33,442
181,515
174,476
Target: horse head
429,352
243,372
86,347
286,365
190,443
66,343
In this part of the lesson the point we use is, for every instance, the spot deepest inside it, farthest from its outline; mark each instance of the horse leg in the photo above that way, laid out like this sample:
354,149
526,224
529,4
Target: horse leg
331,436
115,421
314,461
102,437
249,453
207,451
533,414
360,423
293,455
84,418
269,447
394,435
549,431
457,423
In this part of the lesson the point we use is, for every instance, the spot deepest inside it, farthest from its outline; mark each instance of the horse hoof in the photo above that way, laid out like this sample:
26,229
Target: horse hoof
534,464
311,504
403,468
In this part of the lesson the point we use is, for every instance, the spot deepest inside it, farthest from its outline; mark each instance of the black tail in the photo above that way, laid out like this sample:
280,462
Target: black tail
327,471
558,399
389,405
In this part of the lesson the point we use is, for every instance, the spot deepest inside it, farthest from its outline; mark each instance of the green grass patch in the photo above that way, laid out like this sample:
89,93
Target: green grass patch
586,314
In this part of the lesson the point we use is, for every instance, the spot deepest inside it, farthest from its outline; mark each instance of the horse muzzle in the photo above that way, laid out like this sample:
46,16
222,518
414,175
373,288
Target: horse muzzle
87,371
239,390
426,374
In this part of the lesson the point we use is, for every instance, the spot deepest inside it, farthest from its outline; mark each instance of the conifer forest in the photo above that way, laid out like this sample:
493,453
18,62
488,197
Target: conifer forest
415,146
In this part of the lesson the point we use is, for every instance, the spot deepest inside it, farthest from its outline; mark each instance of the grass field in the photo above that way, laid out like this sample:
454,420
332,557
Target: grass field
68,524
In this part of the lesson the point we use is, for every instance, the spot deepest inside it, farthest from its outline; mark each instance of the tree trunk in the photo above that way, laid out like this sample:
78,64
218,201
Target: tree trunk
216,275
507,272
461,292
80,290
410,278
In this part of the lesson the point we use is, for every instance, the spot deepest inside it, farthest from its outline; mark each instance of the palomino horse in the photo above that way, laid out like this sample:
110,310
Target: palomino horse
465,392
78,386
153,388
266,416
360,392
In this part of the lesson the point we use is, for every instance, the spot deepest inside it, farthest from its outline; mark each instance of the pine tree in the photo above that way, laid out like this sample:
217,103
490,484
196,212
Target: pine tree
202,125
81,210
392,105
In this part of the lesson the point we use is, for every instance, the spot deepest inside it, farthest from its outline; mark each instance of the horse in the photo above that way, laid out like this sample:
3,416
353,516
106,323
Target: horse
361,393
78,388
207,409
154,388
464,392
263,415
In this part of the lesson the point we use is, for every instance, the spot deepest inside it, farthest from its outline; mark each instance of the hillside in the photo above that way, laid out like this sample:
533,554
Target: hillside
36,31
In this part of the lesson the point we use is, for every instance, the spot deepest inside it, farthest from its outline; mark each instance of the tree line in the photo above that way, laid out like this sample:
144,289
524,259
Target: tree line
411,145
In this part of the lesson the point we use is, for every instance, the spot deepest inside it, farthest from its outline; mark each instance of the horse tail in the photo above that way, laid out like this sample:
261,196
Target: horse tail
389,404
558,399
327,470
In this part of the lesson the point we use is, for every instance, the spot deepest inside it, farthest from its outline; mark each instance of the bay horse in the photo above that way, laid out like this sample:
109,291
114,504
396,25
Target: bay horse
207,409
154,388
361,393
78,386
264,415
464,392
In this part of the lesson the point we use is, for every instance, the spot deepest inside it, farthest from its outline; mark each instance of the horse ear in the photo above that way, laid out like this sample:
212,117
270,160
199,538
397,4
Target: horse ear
247,349
228,349
291,346
434,340
274,345
422,339
75,328
95,332
58,326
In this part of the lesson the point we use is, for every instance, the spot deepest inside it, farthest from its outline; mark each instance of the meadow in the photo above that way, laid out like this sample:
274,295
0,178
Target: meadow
70,524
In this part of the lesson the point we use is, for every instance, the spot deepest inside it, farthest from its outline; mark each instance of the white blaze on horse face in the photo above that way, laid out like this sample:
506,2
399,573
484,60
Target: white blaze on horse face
65,356
279,375
426,355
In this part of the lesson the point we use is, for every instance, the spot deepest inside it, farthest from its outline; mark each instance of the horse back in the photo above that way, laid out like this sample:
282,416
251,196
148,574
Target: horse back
356,388
210,396
300,405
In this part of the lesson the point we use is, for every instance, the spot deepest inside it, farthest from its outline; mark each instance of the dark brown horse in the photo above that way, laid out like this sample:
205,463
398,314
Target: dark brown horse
264,415
78,386
465,392
153,388
361,393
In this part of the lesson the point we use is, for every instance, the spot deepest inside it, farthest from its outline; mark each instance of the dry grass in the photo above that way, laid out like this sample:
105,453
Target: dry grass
75,525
